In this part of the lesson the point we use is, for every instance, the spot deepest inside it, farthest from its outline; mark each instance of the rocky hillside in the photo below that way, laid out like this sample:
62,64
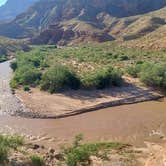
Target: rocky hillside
9,46
14,7
71,21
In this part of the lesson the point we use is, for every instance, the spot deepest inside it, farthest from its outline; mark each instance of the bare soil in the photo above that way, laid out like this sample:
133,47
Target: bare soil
46,105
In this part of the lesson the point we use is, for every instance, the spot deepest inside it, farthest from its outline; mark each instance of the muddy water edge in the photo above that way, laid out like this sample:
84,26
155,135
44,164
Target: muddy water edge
135,123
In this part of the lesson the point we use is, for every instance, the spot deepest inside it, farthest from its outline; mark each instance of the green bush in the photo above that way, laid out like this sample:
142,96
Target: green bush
79,154
153,75
37,160
26,88
3,153
26,75
58,78
6,143
14,84
3,58
13,65
150,74
103,78
134,70
11,141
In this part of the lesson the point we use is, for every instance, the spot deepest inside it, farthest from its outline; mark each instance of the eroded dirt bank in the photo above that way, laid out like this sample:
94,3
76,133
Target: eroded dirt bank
42,104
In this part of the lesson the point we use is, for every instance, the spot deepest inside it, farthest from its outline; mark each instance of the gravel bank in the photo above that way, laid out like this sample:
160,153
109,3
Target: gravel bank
9,104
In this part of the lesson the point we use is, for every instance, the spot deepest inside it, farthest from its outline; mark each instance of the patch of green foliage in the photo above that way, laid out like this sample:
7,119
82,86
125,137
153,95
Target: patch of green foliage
37,160
58,78
35,69
26,88
149,73
6,144
26,67
13,65
86,65
79,154
103,78
26,75
3,58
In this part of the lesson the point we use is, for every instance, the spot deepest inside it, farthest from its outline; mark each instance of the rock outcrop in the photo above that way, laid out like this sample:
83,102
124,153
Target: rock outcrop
69,21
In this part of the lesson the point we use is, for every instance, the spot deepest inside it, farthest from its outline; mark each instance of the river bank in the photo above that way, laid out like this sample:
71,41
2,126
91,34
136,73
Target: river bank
141,124
9,104
101,122
71,103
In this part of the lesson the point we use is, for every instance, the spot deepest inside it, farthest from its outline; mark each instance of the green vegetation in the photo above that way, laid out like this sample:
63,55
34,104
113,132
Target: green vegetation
26,88
59,77
103,78
149,73
7,143
86,66
3,58
13,65
37,160
79,154
26,75
44,67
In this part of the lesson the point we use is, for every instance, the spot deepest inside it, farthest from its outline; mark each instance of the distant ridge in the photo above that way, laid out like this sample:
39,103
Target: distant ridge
75,21
12,8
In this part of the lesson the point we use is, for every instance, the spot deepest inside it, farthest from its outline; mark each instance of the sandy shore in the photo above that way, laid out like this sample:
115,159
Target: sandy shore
39,104
44,105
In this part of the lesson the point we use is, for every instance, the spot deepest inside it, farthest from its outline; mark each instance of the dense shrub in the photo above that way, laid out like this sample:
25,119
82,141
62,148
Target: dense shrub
154,75
26,75
13,65
134,70
3,153
103,78
26,88
79,154
58,78
87,59
3,58
37,160
150,74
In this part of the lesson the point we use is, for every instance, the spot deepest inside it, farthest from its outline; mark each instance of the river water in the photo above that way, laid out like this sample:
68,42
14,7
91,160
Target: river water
135,123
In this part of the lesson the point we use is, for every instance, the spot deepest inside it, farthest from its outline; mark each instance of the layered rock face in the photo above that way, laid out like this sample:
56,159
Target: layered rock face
66,21
14,7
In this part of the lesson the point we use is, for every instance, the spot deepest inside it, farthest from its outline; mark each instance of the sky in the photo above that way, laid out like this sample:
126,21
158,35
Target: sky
2,2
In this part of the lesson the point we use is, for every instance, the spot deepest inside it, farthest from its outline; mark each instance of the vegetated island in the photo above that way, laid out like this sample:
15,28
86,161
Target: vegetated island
74,80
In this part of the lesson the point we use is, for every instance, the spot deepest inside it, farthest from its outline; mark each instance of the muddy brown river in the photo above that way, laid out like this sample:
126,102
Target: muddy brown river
135,123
